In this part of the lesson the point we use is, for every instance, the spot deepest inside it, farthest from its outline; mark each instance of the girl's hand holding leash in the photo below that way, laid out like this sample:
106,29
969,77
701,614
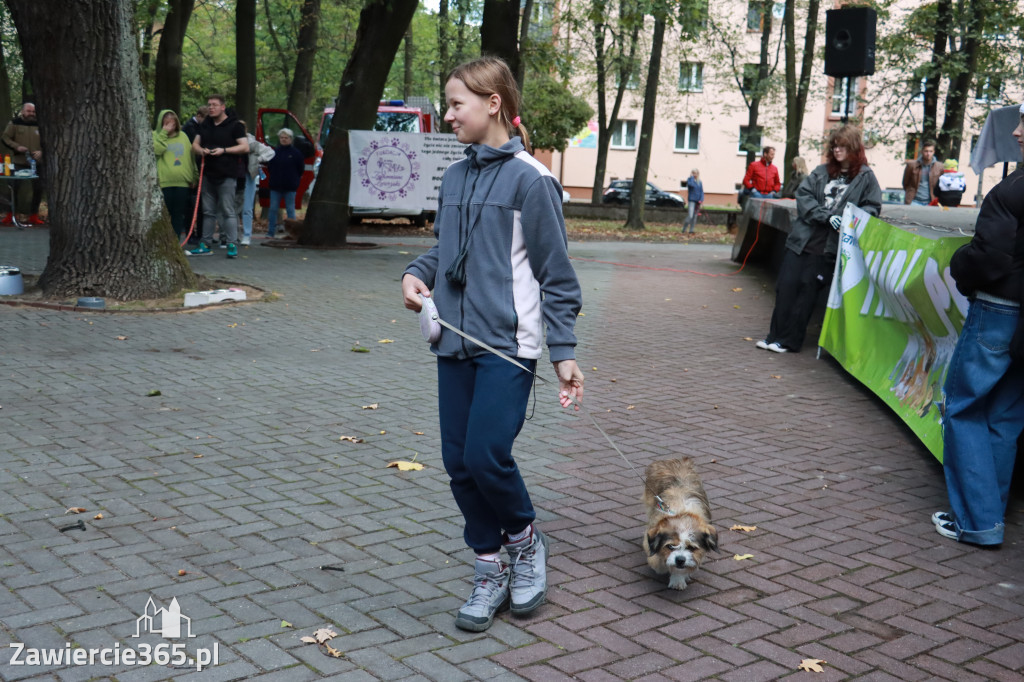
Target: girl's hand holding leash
570,382
412,287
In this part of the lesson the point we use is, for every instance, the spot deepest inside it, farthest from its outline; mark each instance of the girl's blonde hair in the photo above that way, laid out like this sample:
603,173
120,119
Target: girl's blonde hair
488,76
800,165
696,173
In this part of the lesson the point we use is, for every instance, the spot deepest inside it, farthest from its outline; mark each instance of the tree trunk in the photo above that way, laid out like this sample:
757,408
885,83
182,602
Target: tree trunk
109,232
951,135
443,60
301,92
6,107
167,91
625,71
382,24
407,64
146,50
796,91
524,36
282,59
460,38
635,220
933,78
499,30
757,93
245,62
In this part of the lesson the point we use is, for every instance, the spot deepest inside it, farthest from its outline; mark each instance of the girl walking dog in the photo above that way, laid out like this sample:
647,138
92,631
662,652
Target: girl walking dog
500,272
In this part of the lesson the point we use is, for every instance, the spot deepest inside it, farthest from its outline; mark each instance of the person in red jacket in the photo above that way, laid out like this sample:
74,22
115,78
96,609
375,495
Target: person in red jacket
762,178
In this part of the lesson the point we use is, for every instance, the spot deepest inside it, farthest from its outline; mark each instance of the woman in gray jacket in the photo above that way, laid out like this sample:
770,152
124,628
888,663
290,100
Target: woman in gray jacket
811,247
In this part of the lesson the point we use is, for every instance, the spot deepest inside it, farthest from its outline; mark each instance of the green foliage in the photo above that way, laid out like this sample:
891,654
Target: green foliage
551,113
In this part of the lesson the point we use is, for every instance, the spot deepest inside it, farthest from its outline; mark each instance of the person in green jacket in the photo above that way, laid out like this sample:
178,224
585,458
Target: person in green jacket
175,167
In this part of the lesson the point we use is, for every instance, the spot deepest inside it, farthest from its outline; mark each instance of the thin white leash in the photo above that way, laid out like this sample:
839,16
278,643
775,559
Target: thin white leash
430,311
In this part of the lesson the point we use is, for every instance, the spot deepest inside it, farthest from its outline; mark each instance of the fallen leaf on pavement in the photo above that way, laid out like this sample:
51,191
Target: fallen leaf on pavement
417,433
775,376
630,407
98,517
351,439
153,394
308,640
182,572
333,652
374,406
747,338
385,341
324,635
285,624
812,665
741,557
197,456
737,289
74,510
406,466
121,338
360,349
745,529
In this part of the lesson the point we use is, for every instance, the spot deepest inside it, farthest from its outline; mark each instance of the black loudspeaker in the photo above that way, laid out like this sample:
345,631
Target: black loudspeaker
850,41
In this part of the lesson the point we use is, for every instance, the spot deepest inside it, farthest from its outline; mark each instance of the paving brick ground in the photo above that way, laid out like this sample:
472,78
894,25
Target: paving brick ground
236,475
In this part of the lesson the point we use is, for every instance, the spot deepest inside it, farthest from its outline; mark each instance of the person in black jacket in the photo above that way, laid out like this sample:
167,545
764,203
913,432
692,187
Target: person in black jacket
285,171
984,405
811,247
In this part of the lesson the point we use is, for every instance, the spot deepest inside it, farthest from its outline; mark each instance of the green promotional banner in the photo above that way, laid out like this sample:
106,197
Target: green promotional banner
893,317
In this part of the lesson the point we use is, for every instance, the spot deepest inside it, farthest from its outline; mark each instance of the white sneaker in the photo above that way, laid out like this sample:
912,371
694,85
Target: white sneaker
490,595
528,560
762,344
246,241
776,348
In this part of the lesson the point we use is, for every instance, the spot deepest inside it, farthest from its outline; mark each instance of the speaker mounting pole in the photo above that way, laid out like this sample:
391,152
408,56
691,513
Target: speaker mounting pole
846,109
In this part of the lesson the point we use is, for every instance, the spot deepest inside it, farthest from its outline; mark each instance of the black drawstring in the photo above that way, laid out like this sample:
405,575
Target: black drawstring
456,272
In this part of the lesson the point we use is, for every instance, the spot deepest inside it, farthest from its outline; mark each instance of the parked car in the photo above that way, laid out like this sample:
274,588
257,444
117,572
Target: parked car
619,191
893,195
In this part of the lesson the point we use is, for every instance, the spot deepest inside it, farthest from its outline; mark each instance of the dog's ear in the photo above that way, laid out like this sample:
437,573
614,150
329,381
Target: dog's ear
709,540
655,541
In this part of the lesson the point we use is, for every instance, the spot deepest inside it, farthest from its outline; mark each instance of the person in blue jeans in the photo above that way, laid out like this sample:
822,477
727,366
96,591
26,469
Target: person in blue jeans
694,197
500,272
984,406
285,171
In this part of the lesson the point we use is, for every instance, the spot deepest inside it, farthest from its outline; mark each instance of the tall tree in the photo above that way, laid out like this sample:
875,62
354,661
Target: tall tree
933,74
444,64
499,31
167,91
300,94
407,66
382,24
109,232
635,219
615,37
524,36
245,61
148,18
796,90
6,107
961,72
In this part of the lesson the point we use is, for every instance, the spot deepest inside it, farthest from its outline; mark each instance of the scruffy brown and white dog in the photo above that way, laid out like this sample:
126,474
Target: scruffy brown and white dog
679,533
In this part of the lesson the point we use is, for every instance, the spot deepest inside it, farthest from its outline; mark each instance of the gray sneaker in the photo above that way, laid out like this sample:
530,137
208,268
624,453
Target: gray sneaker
528,560
490,595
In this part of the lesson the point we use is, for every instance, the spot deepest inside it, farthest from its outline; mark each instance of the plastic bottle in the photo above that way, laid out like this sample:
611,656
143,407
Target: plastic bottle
7,164
32,165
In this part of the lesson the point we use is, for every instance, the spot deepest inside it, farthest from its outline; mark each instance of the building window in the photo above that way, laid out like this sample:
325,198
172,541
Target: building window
839,97
624,135
755,14
687,137
750,139
749,81
632,84
920,85
990,89
691,76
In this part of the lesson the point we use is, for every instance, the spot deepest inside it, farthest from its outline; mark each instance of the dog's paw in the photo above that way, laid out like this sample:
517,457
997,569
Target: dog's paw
677,582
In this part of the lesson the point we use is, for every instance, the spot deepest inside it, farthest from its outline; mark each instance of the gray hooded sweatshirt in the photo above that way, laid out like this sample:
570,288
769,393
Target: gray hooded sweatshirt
504,208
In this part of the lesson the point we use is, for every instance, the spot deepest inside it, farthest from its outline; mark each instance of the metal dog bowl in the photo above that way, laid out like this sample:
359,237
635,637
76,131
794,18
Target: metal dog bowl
11,282
92,302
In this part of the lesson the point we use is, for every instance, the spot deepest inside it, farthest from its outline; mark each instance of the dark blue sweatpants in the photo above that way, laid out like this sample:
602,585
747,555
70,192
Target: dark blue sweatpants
482,403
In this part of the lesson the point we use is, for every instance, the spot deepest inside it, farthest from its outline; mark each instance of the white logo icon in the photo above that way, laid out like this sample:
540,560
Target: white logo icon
170,621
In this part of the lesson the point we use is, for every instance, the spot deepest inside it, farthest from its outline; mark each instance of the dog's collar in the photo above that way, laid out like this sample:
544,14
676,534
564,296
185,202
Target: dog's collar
662,507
